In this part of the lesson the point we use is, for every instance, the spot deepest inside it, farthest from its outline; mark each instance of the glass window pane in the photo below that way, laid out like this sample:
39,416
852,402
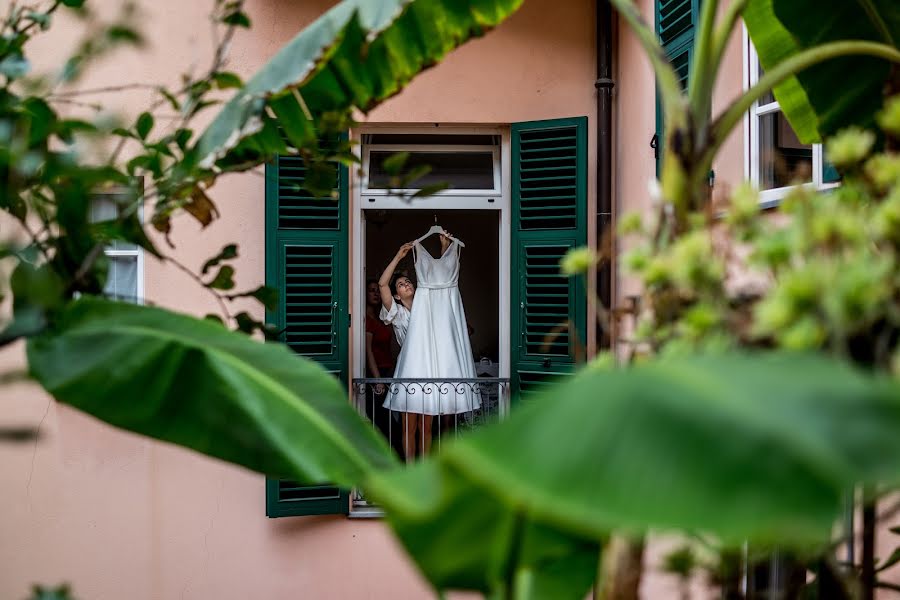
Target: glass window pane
783,160
459,170
121,282
103,208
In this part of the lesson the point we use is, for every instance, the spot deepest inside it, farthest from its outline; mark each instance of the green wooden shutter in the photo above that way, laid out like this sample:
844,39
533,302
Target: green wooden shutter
676,22
307,261
549,216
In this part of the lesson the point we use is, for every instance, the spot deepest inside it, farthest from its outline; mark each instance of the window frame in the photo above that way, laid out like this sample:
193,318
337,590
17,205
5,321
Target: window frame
494,149
772,197
136,251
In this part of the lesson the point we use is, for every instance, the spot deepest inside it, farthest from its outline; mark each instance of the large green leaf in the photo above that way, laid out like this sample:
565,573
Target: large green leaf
354,56
194,383
463,536
758,447
839,92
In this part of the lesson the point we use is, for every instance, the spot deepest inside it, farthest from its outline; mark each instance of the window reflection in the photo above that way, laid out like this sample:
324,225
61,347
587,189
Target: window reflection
459,170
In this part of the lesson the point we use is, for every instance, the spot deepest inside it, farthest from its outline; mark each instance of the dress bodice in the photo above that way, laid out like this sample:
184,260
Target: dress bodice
437,273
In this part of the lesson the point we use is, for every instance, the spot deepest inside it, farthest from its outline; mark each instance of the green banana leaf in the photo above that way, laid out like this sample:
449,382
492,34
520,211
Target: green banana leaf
465,537
356,55
840,92
194,383
741,447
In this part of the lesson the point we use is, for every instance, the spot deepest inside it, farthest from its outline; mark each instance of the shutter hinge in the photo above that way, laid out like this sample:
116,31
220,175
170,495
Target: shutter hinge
654,143
349,321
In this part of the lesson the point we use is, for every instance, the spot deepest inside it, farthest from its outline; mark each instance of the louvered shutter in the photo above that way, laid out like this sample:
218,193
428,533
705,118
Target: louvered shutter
307,261
549,216
676,21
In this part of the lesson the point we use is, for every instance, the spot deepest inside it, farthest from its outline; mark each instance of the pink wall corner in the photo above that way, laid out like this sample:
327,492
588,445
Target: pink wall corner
729,163
635,124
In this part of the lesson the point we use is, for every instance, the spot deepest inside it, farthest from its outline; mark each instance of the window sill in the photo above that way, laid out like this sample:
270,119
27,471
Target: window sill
772,198
365,512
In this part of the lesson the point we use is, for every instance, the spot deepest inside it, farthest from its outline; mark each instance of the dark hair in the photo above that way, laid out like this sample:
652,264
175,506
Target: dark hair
370,281
397,275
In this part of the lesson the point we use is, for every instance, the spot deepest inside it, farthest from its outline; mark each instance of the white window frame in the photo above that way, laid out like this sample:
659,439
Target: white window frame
363,198
136,252
772,197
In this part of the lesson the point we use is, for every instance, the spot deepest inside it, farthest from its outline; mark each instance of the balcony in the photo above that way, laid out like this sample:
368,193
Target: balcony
489,398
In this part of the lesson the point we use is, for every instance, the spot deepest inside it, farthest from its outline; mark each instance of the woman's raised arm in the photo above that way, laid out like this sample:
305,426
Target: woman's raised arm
384,282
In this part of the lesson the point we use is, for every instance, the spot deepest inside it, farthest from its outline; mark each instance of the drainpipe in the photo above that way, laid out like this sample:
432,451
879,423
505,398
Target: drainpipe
604,85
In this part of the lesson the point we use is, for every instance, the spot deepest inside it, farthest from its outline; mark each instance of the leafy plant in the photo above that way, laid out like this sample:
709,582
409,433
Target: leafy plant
735,446
782,29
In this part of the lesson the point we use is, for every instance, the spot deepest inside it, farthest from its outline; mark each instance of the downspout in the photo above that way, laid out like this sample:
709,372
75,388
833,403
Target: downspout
621,563
604,85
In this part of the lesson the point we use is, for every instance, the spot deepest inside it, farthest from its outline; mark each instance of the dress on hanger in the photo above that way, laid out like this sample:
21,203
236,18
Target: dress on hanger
436,345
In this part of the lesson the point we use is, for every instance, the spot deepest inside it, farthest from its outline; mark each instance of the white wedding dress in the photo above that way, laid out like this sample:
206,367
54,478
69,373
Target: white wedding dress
436,345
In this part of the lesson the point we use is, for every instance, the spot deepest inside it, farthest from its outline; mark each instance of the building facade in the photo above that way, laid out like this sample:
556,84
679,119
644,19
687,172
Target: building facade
511,120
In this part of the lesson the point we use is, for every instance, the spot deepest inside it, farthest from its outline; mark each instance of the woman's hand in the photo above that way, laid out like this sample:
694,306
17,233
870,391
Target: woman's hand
404,250
446,238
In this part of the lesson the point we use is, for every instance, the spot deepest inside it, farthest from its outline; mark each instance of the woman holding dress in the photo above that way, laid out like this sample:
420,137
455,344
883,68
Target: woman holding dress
431,327
397,294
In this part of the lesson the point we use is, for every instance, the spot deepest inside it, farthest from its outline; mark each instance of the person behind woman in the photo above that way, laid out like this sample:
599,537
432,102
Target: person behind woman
397,294
379,363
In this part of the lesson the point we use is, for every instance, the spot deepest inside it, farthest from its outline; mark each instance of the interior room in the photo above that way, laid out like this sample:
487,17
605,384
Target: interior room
387,230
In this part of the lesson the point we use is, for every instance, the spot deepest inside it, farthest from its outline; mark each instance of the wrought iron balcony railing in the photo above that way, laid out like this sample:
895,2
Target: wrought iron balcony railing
411,433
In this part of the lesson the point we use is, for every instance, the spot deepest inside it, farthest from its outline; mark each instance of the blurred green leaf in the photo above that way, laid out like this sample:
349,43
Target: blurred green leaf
464,536
62,592
394,163
143,125
67,129
890,561
126,229
14,66
755,447
782,28
321,178
224,279
124,34
267,296
225,80
227,253
237,18
430,190
36,286
379,47
191,382
42,120
41,18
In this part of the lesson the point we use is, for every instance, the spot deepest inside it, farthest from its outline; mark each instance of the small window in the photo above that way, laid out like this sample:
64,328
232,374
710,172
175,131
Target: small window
776,158
466,164
124,278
